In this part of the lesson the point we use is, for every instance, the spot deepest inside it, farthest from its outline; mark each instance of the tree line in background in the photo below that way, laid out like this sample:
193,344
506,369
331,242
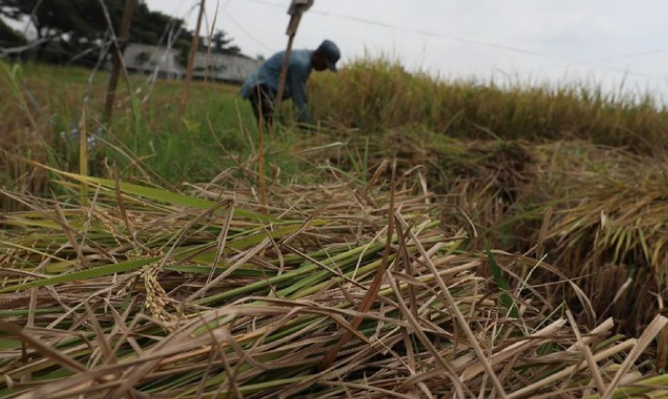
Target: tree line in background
77,31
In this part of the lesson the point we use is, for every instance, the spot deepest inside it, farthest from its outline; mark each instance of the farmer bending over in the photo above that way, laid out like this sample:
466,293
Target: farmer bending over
261,86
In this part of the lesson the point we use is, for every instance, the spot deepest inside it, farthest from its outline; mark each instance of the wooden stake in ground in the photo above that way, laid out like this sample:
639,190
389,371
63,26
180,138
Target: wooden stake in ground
119,45
83,156
297,9
191,56
260,162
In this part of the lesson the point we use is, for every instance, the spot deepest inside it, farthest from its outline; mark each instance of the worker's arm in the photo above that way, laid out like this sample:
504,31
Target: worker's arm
297,81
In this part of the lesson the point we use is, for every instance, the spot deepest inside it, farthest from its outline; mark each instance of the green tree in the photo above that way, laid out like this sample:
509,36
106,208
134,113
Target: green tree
9,37
220,44
65,25
50,18
76,26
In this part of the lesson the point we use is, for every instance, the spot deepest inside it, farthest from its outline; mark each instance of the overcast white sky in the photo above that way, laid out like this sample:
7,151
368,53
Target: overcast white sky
609,41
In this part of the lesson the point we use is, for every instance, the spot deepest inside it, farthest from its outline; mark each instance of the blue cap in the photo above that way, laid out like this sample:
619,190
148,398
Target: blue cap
331,53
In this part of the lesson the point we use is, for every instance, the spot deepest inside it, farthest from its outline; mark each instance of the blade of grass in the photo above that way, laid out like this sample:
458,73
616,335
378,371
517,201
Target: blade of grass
505,299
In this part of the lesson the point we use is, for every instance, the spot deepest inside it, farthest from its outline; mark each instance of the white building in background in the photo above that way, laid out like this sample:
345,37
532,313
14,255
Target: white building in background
143,58
148,59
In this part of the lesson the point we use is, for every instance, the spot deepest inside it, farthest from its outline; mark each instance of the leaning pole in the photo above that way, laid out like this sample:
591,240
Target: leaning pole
297,9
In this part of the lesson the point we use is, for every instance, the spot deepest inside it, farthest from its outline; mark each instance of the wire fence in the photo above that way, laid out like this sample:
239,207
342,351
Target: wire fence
103,47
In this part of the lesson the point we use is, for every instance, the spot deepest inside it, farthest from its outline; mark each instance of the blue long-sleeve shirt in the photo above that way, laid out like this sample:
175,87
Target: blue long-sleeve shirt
299,69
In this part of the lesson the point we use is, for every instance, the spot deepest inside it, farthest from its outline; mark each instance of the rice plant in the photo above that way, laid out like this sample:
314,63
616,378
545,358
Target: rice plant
376,95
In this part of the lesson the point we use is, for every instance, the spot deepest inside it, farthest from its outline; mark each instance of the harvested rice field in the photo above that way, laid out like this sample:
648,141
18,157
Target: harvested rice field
371,259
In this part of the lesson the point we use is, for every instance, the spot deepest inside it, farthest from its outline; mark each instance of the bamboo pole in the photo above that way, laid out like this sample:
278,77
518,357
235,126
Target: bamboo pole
284,68
83,157
296,11
118,57
263,185
191,57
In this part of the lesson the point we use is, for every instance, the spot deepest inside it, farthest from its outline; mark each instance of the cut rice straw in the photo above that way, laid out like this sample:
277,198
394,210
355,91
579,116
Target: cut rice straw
220,300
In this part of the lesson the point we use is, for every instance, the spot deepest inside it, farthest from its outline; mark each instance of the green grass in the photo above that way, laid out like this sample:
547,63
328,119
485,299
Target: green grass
149,138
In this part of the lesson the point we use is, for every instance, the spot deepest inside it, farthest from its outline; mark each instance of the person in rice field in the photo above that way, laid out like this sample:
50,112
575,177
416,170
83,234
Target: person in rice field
261,86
